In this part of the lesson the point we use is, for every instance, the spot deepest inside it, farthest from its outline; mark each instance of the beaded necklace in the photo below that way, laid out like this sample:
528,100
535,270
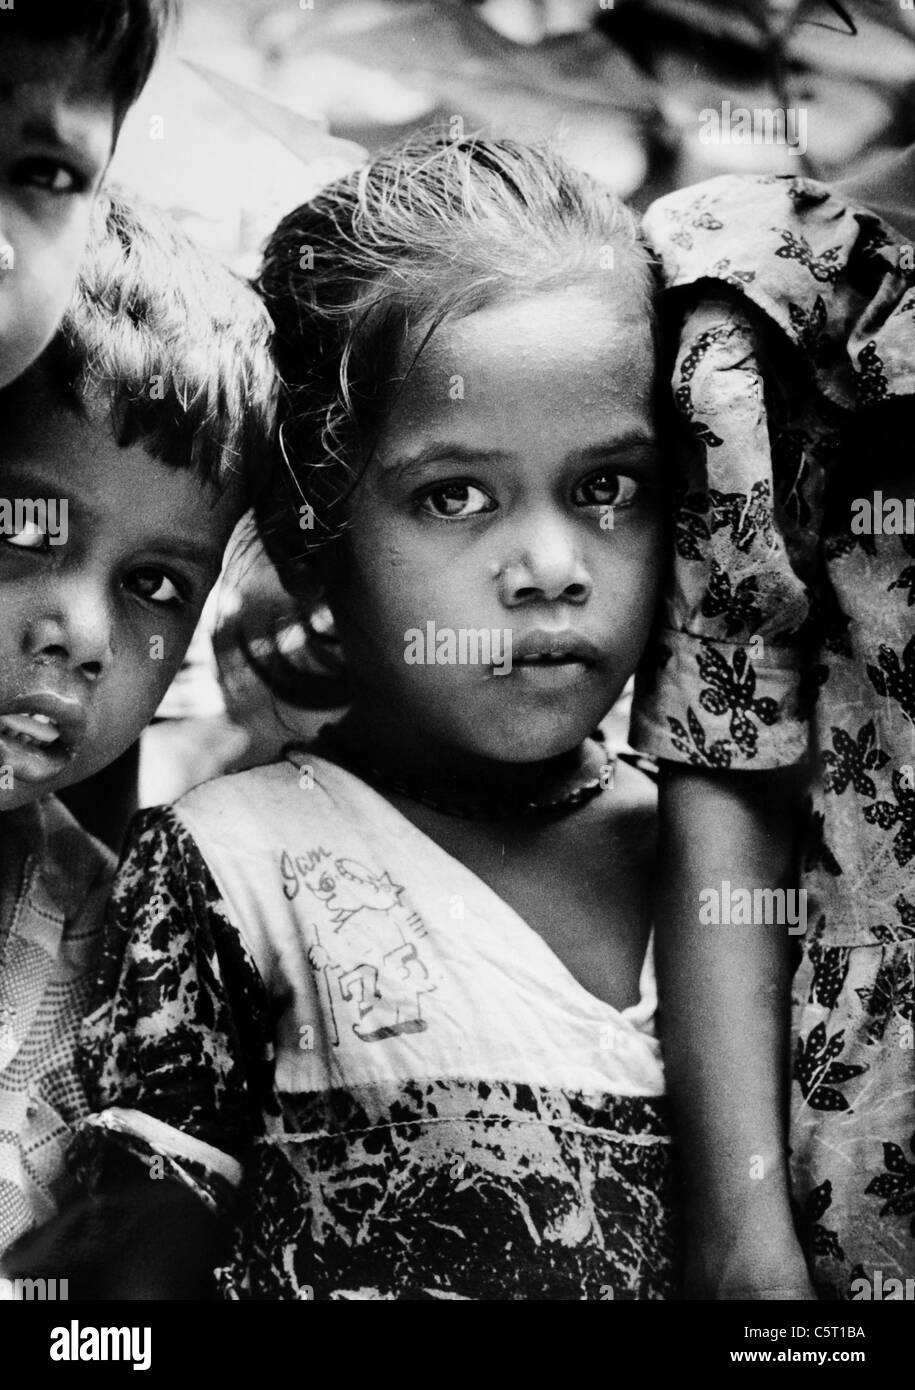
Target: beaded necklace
570,799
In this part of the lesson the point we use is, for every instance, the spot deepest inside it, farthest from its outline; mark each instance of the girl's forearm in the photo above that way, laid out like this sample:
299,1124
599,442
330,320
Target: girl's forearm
724,991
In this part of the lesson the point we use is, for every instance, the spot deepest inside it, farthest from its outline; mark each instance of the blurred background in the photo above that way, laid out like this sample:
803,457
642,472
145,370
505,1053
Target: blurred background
259,102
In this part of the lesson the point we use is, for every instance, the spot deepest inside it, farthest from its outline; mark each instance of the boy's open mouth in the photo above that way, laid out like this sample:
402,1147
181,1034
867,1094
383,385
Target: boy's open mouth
31,730
39,734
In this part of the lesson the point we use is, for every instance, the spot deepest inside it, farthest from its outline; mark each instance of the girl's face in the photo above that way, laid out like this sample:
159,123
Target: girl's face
512,498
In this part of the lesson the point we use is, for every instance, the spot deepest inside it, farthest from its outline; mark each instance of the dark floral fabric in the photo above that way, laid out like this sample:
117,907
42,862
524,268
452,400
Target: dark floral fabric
404,1187
789,636
459,1189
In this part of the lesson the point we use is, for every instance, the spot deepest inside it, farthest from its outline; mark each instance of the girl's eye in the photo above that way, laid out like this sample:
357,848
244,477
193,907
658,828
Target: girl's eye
454,501
48,174
606,490
29,537
154,586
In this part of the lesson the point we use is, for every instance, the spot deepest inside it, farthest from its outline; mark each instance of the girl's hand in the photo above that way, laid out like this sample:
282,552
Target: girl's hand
775,1270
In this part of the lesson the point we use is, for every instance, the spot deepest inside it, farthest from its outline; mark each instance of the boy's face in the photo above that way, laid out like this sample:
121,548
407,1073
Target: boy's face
92,630
56,137
514,489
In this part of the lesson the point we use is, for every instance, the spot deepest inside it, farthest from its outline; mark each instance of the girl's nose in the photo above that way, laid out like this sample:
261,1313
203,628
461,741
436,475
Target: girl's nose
75,635
547,569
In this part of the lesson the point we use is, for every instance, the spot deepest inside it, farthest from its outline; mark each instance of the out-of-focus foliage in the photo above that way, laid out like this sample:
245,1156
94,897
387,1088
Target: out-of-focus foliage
622,85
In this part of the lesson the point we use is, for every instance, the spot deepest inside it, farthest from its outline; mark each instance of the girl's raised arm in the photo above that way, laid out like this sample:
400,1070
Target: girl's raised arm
724,1015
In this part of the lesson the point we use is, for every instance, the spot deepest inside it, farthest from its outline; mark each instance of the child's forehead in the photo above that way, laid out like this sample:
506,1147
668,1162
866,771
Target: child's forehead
74,454
517,340
42,429
546,377
49,444
55,77
540,314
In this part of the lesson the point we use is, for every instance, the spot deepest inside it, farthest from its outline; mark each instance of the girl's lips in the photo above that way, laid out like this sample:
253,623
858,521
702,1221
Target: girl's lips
553,659
550,674
543,645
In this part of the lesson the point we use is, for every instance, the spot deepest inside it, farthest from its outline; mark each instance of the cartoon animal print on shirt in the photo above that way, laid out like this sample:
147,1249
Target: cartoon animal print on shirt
365,954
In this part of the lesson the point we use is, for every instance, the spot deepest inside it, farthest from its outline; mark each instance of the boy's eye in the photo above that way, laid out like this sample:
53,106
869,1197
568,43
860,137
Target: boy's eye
28,537
454,501
154,586
606,489
48,174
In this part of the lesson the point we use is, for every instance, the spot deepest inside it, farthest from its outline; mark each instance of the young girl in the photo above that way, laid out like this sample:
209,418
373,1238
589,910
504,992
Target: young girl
395,989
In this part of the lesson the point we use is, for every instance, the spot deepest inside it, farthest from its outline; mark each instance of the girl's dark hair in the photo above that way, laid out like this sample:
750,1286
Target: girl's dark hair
431,231
124,35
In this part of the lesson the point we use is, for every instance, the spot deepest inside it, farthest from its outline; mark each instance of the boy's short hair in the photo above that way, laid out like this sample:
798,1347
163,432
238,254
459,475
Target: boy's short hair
171,342
123,34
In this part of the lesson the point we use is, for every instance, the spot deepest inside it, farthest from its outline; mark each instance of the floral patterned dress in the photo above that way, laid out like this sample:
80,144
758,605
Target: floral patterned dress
789,633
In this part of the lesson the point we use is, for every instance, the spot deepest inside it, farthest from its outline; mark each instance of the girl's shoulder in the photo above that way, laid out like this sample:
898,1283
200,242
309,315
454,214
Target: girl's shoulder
836,279
251,848
241,807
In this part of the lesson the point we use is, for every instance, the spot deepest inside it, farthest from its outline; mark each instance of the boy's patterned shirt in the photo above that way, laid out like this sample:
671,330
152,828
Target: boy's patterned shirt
54,880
